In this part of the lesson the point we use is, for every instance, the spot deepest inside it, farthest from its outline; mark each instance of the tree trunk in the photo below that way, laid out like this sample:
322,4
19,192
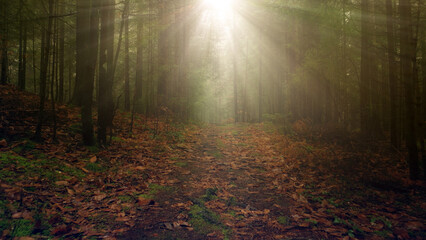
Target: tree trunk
4,47
106,62
406,38
61,54
44,64
393,81
139,63
364,86
87,45
126,58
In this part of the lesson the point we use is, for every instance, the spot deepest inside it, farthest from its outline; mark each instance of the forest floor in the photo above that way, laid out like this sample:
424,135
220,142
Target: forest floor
173,181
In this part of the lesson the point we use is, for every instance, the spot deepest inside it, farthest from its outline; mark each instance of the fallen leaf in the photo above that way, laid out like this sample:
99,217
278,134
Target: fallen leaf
415,225
61,230
62,183
93,159
99,197
3,143
122,219
145,202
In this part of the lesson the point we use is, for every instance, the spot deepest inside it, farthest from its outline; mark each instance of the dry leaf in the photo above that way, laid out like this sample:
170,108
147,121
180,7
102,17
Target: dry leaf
62,183
93,159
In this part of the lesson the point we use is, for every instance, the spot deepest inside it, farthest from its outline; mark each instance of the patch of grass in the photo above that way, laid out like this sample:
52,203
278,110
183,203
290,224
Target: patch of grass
13,168
204,220
216,154
21,228
220,144
95,167
117,139
311,221
211,194
126,198
384,220
154,189
27,145
284,220
354,229
73,172
93,149
175,136
232,201
181,164
383,233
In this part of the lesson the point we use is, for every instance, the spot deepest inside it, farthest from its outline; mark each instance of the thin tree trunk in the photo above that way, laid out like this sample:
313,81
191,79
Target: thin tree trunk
106,62
44,64
139,64
365,101
406,38
126,58
61,54
394,130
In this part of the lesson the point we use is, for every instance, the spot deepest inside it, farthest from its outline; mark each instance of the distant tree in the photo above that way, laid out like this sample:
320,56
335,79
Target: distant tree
44,64
87,49
106,62
408,56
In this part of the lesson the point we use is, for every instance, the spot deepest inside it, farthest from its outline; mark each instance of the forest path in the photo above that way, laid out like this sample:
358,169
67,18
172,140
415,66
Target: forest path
228,189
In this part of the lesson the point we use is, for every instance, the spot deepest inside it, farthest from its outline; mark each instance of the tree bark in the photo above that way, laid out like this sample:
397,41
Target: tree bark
106,66
44,64
126,58
406,38
393,81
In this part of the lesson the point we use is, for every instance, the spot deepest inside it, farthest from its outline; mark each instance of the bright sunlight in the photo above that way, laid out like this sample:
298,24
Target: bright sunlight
219,5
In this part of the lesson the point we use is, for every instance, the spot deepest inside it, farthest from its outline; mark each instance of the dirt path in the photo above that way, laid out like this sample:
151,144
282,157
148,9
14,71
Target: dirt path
227,190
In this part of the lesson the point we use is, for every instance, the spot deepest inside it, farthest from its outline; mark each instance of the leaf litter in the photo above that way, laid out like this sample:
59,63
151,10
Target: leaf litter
169,181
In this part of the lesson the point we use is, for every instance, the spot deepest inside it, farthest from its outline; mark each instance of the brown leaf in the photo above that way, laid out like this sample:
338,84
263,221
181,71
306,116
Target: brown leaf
414,225
93,159
17,215
145,202
3,143
61,230
62,183
122,219
70,192
99,197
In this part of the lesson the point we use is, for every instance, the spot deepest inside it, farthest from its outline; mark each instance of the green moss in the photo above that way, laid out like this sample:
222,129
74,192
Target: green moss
284,220
27,145
232,201
73,172
21,228
311,221
211,194
126,198
95,167
93,149
154,189
216,154
4,224
117,139
204,220
181,164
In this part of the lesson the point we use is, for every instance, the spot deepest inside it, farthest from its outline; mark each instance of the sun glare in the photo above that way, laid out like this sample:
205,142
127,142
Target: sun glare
218,5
